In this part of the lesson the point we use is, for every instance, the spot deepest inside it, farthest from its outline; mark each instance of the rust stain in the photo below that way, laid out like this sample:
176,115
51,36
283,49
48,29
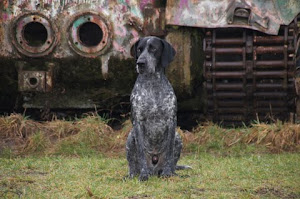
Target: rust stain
251,75
265,16
124,21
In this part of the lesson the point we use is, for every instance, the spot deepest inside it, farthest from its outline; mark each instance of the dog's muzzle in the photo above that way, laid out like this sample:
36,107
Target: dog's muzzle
140,67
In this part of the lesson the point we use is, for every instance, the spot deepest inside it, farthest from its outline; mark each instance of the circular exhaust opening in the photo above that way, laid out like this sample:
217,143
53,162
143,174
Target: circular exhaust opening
35,34
33,81
90,34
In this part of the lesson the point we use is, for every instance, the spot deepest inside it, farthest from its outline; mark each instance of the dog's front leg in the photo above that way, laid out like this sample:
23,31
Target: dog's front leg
169,166
144,172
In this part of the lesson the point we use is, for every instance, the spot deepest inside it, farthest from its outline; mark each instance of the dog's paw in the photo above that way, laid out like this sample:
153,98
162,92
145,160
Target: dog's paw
166,173
129,176
144,176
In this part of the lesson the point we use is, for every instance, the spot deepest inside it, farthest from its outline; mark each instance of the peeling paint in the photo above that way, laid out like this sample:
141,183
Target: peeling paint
265,16
124,17
104,67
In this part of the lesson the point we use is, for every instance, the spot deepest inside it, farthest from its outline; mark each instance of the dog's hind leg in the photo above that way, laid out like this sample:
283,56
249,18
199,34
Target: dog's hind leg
177,147
131,154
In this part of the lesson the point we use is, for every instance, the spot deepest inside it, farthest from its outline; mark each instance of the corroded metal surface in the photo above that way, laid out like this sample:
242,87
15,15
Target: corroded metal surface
90,47
265,16
123,23
250,75
120,22
88,43
37,81
23,40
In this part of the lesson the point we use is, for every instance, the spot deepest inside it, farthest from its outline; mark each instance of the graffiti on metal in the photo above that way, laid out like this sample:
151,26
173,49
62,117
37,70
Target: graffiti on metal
265,16
62,29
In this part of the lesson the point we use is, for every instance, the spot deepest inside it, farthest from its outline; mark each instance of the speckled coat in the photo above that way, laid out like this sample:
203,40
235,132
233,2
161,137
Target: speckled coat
153,145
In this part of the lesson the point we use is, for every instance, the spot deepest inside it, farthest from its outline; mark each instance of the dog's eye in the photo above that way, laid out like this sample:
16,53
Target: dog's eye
140,50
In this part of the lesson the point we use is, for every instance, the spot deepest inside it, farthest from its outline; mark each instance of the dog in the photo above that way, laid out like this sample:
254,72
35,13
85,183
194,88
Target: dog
153,146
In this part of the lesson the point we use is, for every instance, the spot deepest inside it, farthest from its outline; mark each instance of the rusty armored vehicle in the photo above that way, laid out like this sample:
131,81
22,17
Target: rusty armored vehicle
236,59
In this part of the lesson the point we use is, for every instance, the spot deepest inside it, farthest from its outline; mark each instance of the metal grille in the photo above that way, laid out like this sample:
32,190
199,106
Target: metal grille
250,75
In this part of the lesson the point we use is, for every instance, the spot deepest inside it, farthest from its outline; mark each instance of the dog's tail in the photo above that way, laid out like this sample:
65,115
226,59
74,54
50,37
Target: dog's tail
182,167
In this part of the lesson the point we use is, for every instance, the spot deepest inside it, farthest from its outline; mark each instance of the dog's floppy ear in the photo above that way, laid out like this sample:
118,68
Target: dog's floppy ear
167,54
133,49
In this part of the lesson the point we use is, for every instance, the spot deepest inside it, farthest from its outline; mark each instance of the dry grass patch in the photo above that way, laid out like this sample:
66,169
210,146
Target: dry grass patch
276,137
91,134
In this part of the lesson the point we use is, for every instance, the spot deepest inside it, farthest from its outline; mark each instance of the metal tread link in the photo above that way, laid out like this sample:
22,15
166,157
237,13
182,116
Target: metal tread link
250,75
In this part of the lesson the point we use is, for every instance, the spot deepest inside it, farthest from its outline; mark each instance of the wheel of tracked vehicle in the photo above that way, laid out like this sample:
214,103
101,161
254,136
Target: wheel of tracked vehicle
250,75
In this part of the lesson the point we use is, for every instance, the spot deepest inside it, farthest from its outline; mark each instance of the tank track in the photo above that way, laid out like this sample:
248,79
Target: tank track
250,75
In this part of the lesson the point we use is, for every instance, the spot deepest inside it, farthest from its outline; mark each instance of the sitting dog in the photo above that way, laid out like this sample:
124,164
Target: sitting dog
153,145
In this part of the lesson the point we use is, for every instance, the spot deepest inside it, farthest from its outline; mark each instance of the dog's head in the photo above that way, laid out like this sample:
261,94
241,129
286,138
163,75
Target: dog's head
151,53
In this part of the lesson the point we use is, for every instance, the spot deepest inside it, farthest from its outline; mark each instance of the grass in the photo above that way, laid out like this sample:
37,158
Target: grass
86,159
250,176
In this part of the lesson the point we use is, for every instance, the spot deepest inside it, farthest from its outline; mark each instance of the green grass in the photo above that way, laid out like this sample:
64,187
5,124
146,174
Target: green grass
246,176
85,158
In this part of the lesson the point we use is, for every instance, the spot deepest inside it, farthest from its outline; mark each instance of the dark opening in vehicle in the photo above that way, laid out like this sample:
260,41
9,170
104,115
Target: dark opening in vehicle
33,81
35,34
90,34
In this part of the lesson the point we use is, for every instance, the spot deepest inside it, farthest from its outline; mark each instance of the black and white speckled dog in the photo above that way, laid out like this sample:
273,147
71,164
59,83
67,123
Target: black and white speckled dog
153,145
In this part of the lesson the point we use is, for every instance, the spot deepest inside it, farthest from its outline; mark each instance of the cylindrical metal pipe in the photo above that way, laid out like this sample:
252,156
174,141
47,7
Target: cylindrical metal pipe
271,86
272,74
271,49
230,41
229,74
226,86
270,94
270,39
225,65
229,95
272,63
225,50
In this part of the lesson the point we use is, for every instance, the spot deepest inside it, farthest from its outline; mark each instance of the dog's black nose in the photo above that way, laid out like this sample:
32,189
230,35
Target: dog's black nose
141,65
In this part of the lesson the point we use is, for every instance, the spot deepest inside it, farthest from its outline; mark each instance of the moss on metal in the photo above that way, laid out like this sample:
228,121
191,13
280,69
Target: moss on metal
8,85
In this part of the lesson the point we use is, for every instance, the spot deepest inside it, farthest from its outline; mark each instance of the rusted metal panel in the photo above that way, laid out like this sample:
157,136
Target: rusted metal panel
38,81
22,37
120,23
32,81
265,16
70,27
259,83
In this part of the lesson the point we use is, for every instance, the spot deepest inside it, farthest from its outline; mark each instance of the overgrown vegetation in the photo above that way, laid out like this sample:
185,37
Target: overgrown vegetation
85,158
22,136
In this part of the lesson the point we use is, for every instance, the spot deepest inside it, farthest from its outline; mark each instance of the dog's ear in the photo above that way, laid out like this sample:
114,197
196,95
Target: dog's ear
133,49
167,54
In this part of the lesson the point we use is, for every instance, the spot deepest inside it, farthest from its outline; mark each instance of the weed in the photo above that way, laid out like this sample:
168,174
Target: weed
36,143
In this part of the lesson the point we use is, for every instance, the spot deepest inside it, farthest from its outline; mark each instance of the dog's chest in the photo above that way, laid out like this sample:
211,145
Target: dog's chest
155,110
153,103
